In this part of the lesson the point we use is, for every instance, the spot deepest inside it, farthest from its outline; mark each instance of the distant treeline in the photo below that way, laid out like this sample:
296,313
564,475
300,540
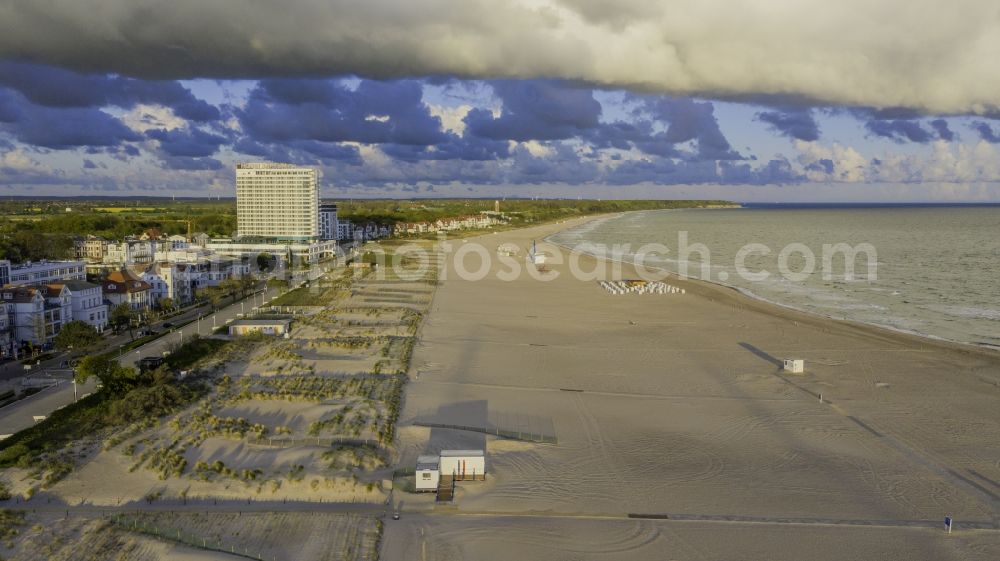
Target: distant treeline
520,210
35,230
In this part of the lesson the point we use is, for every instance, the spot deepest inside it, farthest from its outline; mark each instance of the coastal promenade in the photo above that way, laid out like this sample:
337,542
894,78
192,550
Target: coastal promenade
23,413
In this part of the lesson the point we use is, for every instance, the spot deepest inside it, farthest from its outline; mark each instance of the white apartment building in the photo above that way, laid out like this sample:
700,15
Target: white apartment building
328,221
185,272
171,280
58,308
125,287
91,249
212,266
130,252
177,241
277,201
37,313
87,303
25,307
40,272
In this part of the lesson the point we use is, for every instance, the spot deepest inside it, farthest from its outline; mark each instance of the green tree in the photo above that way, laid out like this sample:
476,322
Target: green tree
213,294
231,287
148,317
265,261
115,378
76,335
247,284
122,316
167,304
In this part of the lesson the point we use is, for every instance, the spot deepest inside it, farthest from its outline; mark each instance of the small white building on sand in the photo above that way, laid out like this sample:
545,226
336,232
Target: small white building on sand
795,365
428,473
277,327
463,465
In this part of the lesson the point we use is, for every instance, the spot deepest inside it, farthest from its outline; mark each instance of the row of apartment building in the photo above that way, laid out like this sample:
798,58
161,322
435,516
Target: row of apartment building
482,220
35,314
143,249
373,231
39,298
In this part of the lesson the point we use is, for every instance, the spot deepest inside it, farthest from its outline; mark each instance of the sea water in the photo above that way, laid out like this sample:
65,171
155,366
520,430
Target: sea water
937,271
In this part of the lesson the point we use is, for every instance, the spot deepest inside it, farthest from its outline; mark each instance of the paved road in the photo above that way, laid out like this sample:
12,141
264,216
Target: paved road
203,326
21,414
14,369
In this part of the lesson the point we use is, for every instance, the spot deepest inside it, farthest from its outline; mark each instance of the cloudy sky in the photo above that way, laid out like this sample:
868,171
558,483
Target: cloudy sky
760,100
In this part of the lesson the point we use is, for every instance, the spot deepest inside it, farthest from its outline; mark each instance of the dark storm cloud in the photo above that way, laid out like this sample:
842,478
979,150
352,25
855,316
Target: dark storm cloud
899,130
60,127
822,165
185,163
302,152
56,87
778,170
536,110
986,132
676,47
690,120
642,171
545,110
619,135
943,131
9,103
286,119
373,113
641,135
270,152
900,124
328,151
893,113
793,123
455,147
187,143
563,165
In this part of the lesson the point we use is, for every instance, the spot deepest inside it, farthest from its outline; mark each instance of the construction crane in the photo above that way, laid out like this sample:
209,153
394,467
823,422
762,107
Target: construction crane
165,220
188,222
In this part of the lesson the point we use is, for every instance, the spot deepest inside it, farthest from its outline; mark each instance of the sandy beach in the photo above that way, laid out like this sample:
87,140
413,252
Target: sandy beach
673,409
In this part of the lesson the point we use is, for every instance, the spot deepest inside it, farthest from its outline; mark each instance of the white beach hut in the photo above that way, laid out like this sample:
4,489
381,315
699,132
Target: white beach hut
464,465
428,473
795,365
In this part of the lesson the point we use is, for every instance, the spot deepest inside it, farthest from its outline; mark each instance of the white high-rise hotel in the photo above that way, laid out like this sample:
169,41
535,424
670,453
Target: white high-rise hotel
277,201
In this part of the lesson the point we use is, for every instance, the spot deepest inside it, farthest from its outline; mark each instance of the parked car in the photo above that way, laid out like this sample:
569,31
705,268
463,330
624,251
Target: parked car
167,325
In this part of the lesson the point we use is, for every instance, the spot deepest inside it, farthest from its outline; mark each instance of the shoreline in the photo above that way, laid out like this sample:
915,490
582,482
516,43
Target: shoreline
877,329
670,404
